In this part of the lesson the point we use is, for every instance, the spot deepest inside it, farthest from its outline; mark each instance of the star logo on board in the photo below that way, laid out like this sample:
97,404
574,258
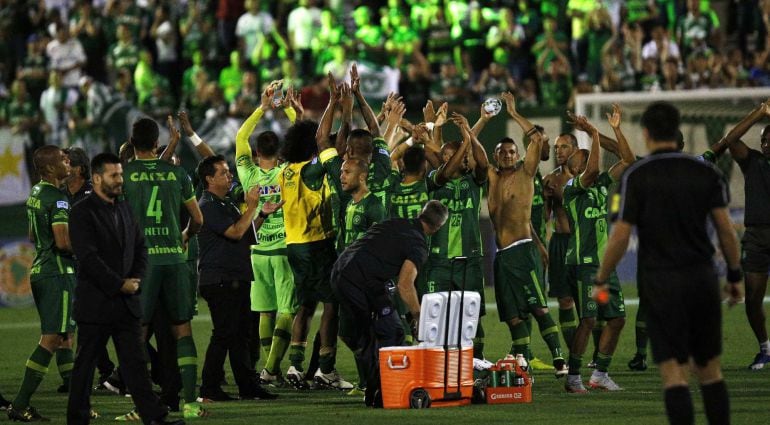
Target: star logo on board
9,163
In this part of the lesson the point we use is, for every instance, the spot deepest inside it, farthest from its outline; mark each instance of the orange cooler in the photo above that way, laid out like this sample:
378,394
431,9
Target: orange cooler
413,377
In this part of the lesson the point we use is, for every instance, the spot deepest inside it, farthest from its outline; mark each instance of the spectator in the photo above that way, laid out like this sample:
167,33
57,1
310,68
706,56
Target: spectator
87,26
327,41
495,79
230,77
247,99
508,37
694,29
579,12
315,97
649,80
164,33
302,22
66,56
22,114
368,38
672,79
450,87
228,13
199,37
600,31
145,78
438,40
252,28
124,54
55,104
661,47
555,80
33,68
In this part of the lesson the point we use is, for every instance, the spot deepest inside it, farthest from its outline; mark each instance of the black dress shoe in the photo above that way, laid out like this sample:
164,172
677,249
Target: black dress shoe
217,396
258,393
165,422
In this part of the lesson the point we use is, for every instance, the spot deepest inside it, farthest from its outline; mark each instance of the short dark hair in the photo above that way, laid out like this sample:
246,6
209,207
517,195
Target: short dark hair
126,152
362,141
661,119
414,158
299,143
505,140
45,156
79,158
360,164
434,214
102,159
144,134
268,144
572,139
207,168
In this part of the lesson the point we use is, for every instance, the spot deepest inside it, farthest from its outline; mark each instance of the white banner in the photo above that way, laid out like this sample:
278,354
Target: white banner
14,180
376,82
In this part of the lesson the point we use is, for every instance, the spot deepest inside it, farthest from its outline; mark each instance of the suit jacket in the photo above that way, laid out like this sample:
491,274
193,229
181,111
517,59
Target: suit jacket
105,256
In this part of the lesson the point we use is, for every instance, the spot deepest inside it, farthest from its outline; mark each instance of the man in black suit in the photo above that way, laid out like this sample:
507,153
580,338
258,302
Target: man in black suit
112,259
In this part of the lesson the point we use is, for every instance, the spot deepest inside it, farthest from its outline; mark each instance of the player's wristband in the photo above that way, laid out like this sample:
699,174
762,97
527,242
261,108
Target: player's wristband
263,215
430,125
734,275
532,131
195,139
409,142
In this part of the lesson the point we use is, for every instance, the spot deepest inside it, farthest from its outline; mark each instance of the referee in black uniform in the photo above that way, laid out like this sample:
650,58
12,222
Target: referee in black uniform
394,247
669,197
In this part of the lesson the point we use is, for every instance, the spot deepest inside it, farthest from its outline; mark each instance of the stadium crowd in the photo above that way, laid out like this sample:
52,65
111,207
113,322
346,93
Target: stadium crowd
212,58
300,225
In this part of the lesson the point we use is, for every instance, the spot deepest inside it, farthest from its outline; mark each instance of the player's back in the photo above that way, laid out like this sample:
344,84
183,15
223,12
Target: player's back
156,192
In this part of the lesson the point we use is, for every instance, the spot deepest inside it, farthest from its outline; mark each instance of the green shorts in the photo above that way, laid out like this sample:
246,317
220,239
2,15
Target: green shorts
192,265
558,286
518,282
169,286
273,285
581,280
441,276
53,299
311,264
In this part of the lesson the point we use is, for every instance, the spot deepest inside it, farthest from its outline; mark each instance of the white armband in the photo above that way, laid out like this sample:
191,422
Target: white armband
195,139
409,142
430,125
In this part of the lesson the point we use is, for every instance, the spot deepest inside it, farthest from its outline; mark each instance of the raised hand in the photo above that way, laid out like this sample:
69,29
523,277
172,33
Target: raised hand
346,97
460,121
266,101
510,103
184,120
428,112
396,113
441,114
581,123
420,134
355,80
615,118
173,136
333,91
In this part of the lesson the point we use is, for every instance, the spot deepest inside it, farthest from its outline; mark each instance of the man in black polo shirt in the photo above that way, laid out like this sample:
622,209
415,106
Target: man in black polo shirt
394,247
225,278
669,196
756,239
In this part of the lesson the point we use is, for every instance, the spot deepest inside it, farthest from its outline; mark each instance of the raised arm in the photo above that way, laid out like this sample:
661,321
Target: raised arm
591,173
532,159
738,149
200,145
393,123
346,102
484,118
242,147
288,102
173,141
325,126
366,110
626,155
480,158
455,163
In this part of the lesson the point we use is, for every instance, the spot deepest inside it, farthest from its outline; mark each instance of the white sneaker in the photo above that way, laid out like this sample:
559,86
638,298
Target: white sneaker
267,378
574,384
332,380
602,381
296,378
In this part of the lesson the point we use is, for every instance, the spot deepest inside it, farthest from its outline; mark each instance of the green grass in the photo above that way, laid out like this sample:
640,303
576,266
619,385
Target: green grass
640,403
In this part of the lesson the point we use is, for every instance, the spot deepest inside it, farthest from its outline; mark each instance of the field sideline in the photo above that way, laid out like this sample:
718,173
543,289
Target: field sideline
640,403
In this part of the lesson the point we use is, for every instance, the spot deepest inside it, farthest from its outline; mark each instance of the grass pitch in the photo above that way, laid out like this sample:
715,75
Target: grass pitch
640,403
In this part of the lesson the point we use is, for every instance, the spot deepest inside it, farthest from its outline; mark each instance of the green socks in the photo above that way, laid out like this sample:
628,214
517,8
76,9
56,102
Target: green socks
568,323
297,354
37,367
266,326
327,357
280,342
574,363
187,359
519,338
596,332
550,333
478,342
64,362
603,362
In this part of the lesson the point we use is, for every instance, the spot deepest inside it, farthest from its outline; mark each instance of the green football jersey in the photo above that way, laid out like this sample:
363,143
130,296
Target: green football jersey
156,192
587,214
359,216
461,235
271,236
405,200
379,181
538,208
48,206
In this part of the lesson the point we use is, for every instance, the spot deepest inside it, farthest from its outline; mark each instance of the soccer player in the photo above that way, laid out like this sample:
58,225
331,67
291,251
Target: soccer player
518,285
157,191
310,238
364,209
678,281
407,197
585,198
460,191
755,165
272,292
52,278
564,146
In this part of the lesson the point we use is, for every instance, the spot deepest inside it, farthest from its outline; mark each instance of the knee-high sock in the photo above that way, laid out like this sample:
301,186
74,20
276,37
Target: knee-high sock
568,322
64,362
266,327
37,367
280,342
550,333
187,359
716,403
596,333
313,363
603,361
679,406
519,338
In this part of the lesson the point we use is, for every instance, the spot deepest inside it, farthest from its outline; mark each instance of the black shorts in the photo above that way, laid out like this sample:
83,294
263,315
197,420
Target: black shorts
311,263
684,313
755,255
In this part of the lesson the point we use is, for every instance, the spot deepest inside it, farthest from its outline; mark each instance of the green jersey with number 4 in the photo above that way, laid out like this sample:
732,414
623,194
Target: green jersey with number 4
461,235
48,206
587,214
271,236
157,191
